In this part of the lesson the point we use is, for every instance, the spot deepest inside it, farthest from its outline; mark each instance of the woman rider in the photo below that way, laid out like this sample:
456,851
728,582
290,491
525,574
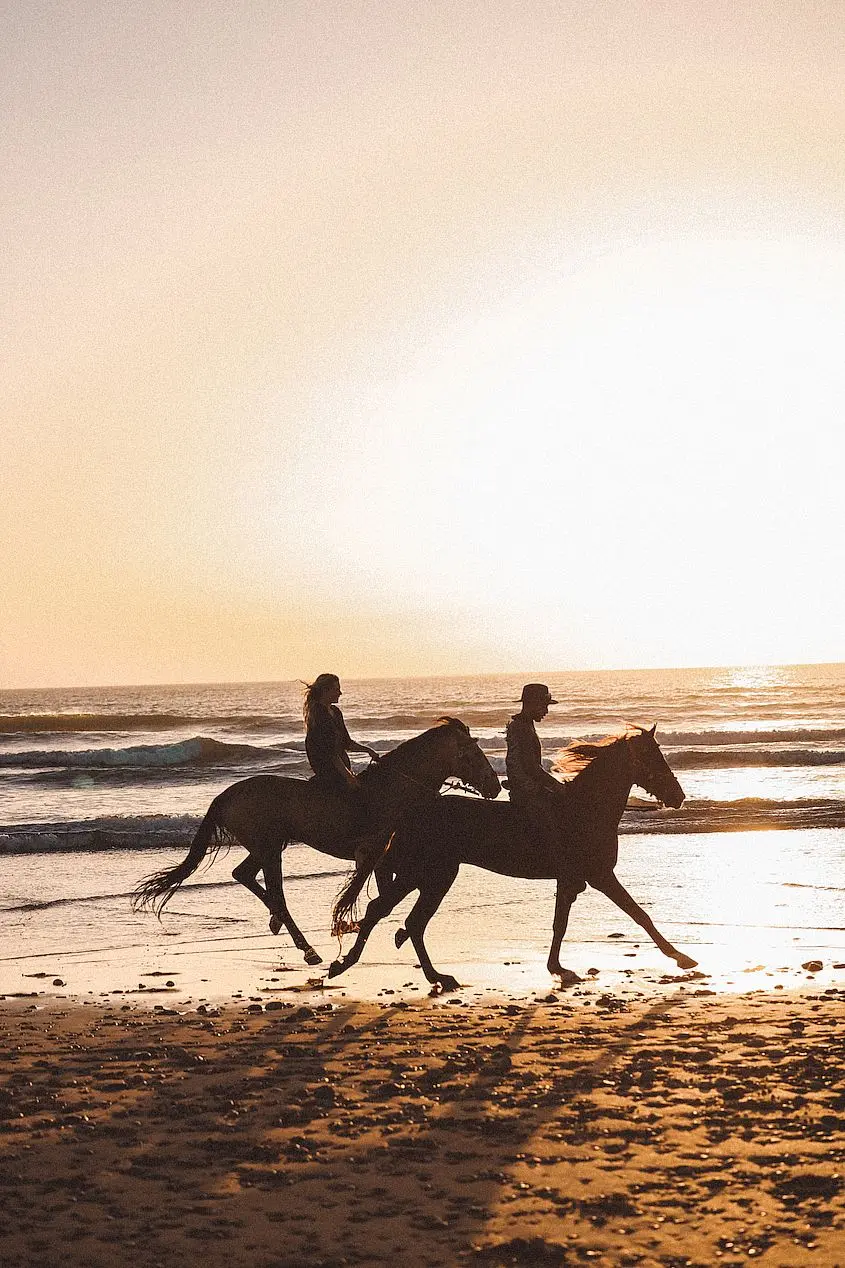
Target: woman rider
327,744
327,741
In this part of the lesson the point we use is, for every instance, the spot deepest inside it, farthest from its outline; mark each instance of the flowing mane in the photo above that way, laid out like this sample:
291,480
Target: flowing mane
579,757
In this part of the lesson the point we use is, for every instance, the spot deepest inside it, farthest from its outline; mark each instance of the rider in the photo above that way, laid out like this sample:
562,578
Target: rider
527,779
327,741
327,745
531,788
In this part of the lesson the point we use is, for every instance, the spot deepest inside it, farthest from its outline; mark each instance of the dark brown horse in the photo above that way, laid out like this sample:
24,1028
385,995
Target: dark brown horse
429,847
266,813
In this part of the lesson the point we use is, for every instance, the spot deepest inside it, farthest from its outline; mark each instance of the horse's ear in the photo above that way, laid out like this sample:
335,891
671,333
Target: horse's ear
652,731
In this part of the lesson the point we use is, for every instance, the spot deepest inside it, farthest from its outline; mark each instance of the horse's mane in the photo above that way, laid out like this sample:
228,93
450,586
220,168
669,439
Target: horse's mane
408,748
576,758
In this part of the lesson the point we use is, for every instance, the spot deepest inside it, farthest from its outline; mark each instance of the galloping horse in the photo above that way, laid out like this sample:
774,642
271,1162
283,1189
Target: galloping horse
266,813
428,848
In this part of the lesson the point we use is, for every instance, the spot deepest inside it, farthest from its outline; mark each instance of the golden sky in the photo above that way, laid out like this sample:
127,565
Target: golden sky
400,338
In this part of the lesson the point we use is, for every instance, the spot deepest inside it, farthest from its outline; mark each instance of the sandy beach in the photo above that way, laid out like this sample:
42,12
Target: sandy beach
189,1087
679,1126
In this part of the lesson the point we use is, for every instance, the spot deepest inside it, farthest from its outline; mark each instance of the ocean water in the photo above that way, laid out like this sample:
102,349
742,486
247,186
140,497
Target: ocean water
100,786
138,766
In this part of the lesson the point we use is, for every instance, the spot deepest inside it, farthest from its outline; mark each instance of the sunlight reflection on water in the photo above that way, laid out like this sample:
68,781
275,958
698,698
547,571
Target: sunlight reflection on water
762,901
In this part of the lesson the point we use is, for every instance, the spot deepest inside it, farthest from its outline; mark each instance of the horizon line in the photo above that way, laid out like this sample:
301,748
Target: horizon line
528,674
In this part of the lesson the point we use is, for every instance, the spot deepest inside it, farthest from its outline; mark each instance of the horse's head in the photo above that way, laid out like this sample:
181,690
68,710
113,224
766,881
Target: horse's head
470,764
651,770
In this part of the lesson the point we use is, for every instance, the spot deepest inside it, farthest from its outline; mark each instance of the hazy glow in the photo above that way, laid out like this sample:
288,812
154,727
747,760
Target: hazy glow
408,340
763,676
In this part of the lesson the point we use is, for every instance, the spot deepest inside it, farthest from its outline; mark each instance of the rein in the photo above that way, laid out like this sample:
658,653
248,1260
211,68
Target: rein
451,781
456,783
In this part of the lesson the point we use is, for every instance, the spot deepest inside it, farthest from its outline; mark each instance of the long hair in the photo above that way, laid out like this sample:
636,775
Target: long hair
313,692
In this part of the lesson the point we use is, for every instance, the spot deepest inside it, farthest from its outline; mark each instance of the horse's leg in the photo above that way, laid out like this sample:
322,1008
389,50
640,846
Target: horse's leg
564,898
377,909
384,876
432,893
281,917
246,874
617,893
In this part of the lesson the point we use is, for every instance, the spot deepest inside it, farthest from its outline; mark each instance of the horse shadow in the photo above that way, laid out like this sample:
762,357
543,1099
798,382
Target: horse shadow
296,1137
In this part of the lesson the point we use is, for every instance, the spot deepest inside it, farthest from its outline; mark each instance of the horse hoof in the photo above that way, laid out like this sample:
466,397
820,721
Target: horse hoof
567,977
336,967
448,983
401,937
686,962
276,923
312,957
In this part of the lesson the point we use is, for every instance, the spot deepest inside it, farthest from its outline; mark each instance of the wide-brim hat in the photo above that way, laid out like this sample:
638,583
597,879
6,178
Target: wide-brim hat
537,691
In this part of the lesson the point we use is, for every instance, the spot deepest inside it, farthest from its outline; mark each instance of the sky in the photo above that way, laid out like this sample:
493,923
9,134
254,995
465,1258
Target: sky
388,339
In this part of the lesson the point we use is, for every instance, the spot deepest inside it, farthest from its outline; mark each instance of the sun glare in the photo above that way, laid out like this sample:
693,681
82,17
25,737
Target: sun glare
634,434
752,676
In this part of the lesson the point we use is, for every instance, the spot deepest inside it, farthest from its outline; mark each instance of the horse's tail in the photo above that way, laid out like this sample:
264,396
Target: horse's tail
155,891
345,910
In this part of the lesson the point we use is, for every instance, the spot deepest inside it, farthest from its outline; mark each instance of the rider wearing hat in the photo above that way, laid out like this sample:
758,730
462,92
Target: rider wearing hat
536,794
527,779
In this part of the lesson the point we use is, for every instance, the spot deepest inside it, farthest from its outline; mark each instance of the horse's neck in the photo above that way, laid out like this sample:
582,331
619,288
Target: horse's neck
427,772
606,784
413,774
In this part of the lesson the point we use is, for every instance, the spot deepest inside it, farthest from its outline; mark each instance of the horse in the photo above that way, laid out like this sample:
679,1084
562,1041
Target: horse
429,847
265,813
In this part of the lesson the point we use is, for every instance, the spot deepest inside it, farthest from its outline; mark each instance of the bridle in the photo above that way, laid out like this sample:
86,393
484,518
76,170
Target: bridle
641,771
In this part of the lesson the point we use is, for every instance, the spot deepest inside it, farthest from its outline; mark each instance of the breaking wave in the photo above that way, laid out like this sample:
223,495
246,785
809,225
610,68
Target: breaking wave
198,751
724,758
60,723
142,832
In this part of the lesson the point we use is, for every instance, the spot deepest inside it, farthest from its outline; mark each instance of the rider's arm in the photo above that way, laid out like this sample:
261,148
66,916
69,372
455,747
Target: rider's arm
352,746
548,781
523,764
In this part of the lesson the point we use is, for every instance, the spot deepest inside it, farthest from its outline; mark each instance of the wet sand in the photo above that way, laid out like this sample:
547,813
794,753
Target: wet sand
190,1090
674,1126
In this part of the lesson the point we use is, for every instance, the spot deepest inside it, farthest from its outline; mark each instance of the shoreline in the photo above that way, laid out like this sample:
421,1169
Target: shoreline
680,1129
750,912
220,970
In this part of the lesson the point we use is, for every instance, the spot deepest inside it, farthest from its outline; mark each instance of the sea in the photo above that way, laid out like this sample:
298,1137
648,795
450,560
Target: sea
100,786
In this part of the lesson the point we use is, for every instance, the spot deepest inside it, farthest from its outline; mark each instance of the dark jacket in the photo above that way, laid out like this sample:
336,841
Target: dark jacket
527,779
